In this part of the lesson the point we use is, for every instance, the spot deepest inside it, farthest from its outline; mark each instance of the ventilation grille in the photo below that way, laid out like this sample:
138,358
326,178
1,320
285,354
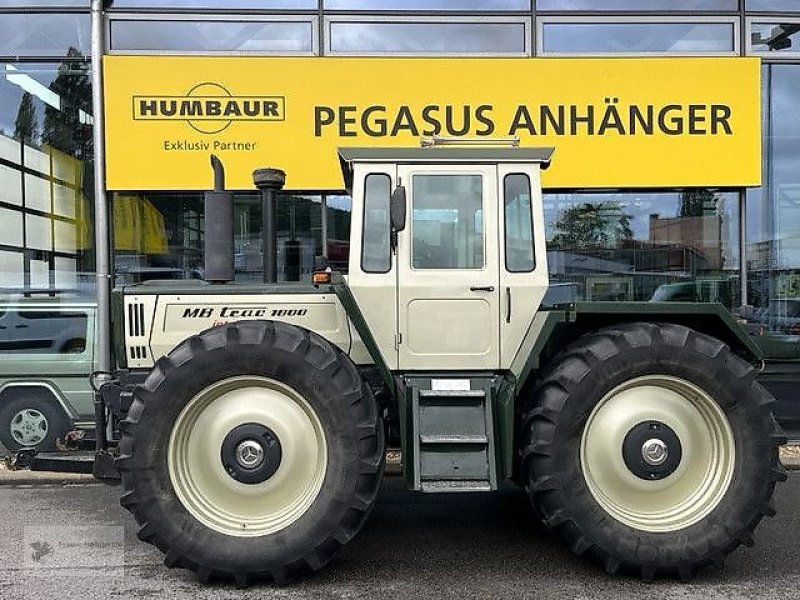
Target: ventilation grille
137,338
136,319
138,352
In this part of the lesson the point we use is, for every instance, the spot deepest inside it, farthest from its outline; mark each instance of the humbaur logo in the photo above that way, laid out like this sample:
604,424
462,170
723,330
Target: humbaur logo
209,108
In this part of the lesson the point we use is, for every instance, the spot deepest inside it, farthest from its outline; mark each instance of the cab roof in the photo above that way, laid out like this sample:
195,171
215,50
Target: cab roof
440,155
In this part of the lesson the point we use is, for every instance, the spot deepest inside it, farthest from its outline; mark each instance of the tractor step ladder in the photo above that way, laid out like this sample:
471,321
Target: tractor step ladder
453,435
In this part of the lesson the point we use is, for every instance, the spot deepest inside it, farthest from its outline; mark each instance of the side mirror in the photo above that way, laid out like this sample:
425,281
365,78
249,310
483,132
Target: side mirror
397,208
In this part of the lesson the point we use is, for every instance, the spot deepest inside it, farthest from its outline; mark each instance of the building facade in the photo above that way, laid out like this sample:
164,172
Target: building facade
691,244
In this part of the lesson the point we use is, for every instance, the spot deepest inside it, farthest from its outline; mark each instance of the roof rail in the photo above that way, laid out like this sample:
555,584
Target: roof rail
437,140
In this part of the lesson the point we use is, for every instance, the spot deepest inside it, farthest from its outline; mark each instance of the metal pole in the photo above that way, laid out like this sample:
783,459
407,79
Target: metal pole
744,300
101,225
269,257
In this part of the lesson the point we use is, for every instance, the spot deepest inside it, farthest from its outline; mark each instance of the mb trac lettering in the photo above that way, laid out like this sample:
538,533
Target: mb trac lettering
242,312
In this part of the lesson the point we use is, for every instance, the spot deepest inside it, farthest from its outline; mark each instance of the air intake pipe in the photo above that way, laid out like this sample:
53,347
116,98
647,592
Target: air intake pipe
269,181
219,228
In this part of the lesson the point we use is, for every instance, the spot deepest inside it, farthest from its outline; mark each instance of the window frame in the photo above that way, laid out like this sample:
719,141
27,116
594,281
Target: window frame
311,20
505,224
480,19
791,55
364,226
586,19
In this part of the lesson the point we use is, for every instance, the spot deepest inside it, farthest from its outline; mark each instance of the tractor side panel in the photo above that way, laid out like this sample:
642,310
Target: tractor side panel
154,325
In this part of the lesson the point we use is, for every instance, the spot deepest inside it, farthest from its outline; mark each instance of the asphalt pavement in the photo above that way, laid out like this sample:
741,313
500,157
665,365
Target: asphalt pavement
74,541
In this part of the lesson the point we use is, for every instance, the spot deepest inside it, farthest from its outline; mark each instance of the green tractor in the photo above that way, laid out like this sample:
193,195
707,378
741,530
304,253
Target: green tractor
254,419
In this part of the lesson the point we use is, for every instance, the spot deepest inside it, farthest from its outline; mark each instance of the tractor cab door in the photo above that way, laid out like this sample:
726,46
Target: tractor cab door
448,298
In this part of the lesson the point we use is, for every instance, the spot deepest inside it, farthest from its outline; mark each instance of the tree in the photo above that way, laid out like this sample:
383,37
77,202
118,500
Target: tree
698,203
63,127
25,126
592,224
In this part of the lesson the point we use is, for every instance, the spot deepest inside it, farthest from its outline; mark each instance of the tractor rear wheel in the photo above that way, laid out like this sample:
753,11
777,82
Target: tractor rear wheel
650,447
252,451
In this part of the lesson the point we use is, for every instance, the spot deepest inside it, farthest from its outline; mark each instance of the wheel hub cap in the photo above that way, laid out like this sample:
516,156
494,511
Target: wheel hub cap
29,427
654,452
249,454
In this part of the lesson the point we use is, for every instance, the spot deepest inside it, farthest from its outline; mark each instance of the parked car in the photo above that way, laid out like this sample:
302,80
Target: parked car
46,358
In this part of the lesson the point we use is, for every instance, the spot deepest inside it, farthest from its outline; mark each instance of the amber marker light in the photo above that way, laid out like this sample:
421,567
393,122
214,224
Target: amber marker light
321,277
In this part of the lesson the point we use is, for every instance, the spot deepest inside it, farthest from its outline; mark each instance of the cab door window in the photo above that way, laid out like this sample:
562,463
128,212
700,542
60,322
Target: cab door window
447,222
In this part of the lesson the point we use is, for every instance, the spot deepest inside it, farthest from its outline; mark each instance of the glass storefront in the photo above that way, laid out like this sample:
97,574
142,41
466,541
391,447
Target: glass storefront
46,203
680,246
612,245
160,235
773,210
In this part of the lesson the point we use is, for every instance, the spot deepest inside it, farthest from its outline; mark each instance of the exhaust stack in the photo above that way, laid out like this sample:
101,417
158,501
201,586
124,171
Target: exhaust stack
219,228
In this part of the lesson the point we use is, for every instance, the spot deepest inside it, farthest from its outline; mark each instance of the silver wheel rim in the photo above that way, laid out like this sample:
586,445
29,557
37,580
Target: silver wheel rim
206,489
697,485
29,427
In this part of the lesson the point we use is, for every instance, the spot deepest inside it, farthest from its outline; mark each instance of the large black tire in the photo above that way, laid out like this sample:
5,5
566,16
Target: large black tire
31,418
554,429
344,406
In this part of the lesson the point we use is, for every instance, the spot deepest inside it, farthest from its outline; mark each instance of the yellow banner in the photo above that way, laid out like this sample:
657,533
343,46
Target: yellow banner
615,122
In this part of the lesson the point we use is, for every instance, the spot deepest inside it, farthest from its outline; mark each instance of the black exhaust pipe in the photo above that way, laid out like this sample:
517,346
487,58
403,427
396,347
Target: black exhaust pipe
219,228
269,181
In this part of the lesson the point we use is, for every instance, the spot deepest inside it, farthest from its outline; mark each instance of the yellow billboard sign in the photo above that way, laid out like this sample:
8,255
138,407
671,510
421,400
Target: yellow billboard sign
615,123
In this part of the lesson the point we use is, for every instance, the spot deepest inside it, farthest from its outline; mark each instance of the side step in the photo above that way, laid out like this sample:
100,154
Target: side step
63,462
97,463
453,433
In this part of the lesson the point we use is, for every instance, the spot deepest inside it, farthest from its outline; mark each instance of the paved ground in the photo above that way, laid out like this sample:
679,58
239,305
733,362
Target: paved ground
73,540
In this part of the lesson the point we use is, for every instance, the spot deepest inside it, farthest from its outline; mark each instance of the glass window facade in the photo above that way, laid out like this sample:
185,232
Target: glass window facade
432,5
46,225
160,235
212,36
637,5
217,4
45,3
771,38
637,38
773,6
773,211
372,37
645,246
676,245
43,34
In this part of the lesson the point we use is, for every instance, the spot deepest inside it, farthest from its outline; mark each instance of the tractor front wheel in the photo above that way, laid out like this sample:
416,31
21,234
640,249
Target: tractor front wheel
252,451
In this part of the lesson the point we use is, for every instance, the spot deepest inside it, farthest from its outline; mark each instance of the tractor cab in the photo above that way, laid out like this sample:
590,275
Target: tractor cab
447,258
